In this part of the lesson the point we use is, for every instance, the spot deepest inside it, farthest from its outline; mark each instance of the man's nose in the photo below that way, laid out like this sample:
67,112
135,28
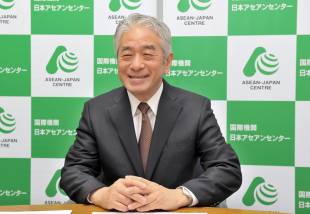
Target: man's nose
137,62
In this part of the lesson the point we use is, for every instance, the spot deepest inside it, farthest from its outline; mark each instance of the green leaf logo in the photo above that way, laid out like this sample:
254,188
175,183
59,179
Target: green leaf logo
115,5
53,187
7,122
261,61
6,4
62,60
184,5
260,191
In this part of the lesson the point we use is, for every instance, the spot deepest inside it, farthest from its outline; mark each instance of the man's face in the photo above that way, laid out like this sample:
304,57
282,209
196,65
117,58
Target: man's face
141,62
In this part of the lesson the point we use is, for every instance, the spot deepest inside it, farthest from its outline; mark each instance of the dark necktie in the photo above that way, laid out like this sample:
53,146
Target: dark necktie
145,134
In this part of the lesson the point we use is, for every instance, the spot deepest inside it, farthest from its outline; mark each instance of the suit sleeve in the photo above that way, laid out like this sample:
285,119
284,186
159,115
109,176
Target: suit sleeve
222,174
79,176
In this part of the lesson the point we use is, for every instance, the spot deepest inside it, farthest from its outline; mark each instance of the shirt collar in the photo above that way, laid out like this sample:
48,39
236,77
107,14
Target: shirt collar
152,102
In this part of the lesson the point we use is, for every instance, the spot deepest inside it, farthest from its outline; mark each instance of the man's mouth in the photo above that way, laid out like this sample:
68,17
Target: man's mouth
137,77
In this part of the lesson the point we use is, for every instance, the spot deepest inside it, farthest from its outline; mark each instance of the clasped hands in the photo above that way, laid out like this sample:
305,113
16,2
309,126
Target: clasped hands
136,193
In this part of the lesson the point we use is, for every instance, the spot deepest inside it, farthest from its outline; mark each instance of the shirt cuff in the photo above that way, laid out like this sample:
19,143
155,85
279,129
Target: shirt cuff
195,200
88,198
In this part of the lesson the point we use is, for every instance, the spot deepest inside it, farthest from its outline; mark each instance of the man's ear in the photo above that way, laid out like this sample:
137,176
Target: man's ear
167,63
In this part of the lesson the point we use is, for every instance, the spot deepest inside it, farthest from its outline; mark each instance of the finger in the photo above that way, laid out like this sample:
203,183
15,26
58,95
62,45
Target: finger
149,185
135,182
138,198
134,206
150,198
120,207
120,189
150,204
134,190
123,199
147,207
136,178
121,186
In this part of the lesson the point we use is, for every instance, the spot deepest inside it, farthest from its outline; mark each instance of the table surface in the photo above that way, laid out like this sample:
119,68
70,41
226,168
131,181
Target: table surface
88,209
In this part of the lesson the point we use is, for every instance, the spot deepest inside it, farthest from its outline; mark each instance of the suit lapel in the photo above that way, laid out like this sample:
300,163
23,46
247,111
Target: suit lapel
167,113
122,119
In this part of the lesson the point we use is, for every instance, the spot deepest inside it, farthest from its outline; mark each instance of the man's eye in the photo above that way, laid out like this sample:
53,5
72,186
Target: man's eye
126,55
148,55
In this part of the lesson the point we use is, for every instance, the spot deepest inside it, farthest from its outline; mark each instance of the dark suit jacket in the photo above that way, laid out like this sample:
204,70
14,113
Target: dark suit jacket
185,133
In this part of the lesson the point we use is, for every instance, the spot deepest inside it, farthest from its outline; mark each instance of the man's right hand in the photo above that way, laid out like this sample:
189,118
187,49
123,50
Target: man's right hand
118,195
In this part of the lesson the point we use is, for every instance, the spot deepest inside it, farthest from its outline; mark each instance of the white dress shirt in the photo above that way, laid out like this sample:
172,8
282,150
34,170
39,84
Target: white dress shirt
137,114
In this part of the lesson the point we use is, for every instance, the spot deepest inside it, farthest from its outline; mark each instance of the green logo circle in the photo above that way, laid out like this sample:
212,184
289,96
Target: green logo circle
267,64
260,191
67,61
7,122
131,4
115,5
201,4
261,61
63,60
266,194
6,4
184,5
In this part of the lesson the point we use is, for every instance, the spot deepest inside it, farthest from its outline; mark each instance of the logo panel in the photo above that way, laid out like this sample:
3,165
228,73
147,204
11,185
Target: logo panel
15,184
15,65
261,68
15,127
110,12
256,131
302,145
62,17
45,181
14,17
252,17
303,16
54,123
196,17
61,66
203,72
265,188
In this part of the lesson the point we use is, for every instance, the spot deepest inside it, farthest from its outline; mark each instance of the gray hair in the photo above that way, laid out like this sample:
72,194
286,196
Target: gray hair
158,27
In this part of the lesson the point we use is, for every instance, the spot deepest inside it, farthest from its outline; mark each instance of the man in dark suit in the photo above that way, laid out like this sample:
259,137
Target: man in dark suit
148,145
